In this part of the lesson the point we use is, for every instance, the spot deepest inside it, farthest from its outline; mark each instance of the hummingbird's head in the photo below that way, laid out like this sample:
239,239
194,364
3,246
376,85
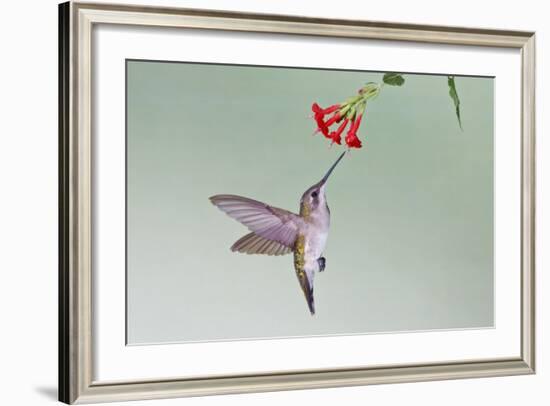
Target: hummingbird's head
314,197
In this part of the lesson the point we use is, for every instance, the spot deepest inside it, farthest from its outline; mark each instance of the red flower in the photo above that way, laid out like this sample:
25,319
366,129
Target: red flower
353,141
321,126
336,136
318,110
319,116
351,138
335,118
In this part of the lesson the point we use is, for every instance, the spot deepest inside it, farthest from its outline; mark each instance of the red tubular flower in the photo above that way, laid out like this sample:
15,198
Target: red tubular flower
319,110
345,115
335,118
316,108
321,126
352,141
336,136
351,138
319,116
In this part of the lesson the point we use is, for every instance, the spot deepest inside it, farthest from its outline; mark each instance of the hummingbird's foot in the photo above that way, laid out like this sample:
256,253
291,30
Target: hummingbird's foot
322,263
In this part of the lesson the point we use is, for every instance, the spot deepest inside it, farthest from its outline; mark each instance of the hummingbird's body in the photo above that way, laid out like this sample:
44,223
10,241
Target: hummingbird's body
310,244
276,231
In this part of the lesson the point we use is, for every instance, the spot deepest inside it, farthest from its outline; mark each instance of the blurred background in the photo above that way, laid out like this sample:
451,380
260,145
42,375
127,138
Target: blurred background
411,239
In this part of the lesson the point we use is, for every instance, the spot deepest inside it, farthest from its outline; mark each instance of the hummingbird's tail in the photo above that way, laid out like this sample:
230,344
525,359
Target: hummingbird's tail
310,302
307,288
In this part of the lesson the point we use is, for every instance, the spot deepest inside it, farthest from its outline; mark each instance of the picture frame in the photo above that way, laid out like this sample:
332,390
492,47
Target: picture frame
77,350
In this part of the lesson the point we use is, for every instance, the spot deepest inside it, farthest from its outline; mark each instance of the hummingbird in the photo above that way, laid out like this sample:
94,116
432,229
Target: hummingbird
275,231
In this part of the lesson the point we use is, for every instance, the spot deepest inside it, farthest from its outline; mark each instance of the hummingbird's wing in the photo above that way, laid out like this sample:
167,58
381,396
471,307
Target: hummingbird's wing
254,244
268,222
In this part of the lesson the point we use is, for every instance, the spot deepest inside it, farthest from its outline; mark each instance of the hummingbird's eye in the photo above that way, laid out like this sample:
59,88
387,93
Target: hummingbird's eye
314,194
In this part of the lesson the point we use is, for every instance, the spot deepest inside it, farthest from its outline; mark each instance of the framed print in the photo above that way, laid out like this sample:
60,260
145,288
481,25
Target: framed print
261,202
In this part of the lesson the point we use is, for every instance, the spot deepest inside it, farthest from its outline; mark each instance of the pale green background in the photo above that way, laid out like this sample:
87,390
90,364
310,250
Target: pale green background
411,240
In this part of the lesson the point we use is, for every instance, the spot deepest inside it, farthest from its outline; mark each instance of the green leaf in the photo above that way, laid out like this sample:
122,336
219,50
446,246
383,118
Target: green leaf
454,96
393,79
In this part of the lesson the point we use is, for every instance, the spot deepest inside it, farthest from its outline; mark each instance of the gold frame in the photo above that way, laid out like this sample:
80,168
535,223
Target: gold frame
75,273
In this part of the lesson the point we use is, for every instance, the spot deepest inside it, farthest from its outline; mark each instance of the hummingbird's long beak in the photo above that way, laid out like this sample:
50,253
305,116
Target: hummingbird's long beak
323,181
